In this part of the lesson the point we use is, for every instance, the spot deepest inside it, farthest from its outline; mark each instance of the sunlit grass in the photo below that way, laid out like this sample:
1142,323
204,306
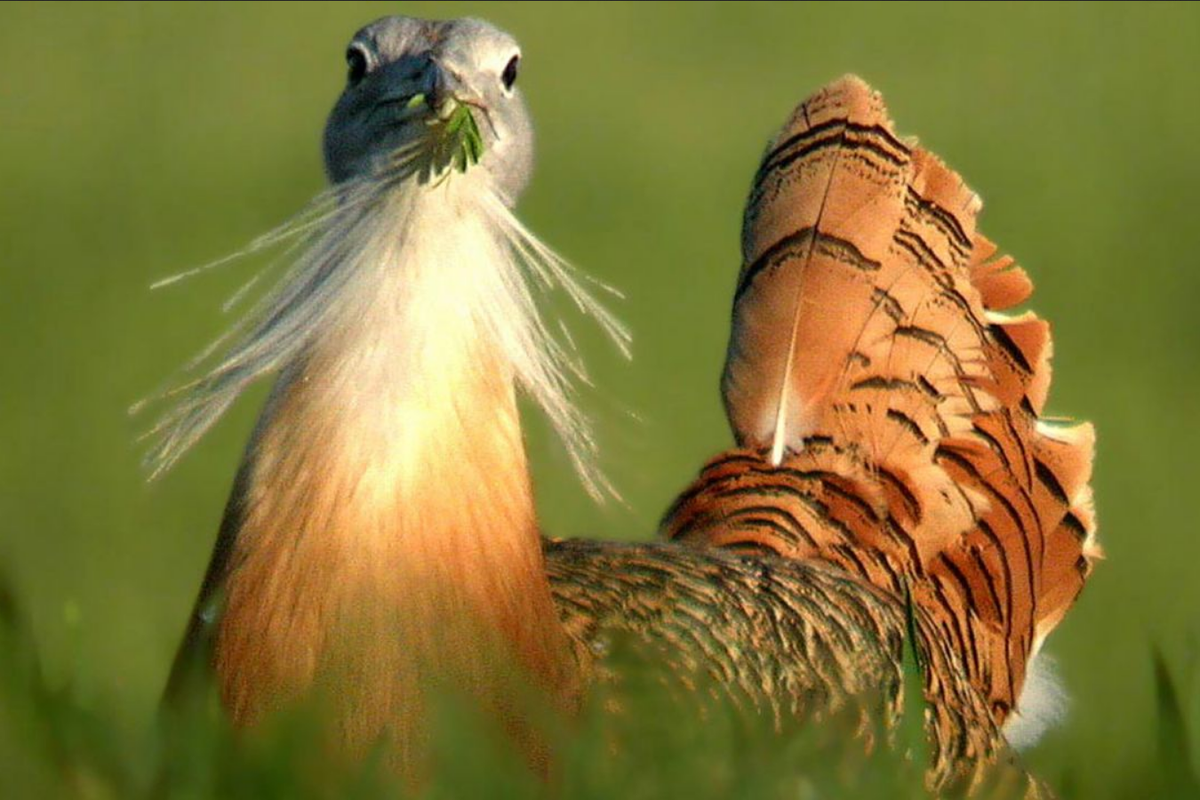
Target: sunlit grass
660,742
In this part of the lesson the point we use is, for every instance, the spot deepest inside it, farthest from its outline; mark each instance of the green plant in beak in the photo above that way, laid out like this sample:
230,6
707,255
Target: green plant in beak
457,142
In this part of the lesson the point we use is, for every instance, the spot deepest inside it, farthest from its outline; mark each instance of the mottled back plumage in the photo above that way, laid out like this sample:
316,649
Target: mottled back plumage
798,641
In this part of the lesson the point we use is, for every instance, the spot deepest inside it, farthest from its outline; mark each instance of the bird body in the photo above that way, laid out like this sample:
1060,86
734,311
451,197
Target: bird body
381,534
326,523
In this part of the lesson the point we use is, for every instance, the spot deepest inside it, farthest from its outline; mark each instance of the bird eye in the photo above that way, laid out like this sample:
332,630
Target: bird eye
509,76
356,62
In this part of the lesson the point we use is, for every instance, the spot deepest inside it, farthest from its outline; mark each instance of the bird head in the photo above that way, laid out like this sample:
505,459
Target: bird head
440,94
427,104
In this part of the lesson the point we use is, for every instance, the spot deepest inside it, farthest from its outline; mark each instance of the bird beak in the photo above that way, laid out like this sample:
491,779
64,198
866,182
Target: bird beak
427,92
446,90
456,136
416,86
440,88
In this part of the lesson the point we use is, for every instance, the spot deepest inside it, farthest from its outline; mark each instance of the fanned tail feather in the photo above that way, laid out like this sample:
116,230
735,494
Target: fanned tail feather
885,408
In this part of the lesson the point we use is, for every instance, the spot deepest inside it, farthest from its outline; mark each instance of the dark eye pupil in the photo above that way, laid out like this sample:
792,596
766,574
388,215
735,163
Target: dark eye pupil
357,63
509,77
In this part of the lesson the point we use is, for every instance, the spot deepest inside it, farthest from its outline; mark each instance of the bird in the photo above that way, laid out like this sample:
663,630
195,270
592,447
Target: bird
381,525
380,537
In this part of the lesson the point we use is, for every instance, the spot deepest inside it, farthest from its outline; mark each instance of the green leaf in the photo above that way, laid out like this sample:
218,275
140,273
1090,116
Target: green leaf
1174,752
455,123
911,728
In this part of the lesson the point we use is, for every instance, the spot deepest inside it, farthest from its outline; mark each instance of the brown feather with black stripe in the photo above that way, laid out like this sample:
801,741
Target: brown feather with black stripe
887,415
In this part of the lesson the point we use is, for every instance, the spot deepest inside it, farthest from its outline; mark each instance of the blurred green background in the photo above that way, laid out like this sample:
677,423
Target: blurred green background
137,140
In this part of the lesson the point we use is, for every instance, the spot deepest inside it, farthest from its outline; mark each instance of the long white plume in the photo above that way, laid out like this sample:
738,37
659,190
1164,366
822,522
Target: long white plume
334,246
1042,705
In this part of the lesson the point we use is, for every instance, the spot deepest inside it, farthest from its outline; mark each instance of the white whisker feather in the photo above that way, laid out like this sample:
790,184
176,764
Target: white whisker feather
341,250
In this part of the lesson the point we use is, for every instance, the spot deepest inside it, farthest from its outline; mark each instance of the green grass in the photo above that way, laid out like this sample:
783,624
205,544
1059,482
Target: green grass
141,139
664,742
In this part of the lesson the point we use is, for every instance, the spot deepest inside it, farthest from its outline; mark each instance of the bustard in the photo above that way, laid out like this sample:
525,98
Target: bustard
381,527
